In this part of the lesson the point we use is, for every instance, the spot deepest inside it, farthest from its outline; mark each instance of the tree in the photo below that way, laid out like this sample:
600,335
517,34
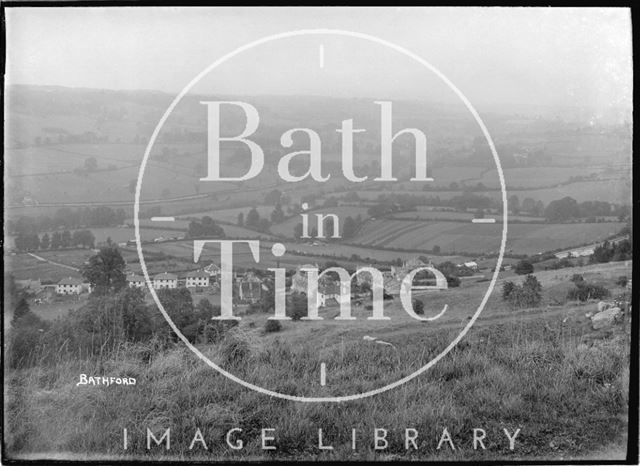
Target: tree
90,164
56,240
528,205
529,294
524,267
418,306
297,230
277,216
240,219
105,270
253,218
65,239
297,306
45,241
349,228
514,204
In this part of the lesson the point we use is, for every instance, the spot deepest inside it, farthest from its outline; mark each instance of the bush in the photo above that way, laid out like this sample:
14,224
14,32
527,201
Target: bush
523,296
577,278
297,306
418,307
585,291
272,326
622,281
524,267
453,282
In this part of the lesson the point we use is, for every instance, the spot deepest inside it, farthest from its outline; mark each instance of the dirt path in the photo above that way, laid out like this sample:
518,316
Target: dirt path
42,259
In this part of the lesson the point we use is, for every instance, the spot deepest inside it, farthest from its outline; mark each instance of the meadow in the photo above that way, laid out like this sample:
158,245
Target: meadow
480,238
542,370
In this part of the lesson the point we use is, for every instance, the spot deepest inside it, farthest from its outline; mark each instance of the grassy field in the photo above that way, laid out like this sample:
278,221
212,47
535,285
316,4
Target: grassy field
543,371
480,238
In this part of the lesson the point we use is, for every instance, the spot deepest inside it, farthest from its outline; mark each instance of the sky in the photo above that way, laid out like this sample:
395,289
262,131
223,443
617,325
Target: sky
495,56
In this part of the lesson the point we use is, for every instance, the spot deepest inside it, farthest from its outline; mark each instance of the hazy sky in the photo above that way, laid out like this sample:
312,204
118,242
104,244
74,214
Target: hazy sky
494,55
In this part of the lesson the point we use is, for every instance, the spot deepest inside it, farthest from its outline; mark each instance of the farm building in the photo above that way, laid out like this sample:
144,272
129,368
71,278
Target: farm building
69,285
165,280
578,252
135,281
198,278
213,270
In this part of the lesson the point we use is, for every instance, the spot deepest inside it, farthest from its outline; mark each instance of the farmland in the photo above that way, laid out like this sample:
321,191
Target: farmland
455,236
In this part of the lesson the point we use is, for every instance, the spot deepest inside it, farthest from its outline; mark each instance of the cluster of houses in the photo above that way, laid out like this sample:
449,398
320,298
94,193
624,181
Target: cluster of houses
248,285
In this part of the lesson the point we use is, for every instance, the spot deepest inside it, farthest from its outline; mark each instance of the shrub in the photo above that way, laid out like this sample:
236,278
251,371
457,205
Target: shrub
418,307
622,281
272,326
523,296
577,278
585,291
524,267
453,282
297,306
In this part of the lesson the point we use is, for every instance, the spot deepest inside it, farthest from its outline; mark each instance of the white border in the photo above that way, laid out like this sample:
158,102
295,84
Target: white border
401,50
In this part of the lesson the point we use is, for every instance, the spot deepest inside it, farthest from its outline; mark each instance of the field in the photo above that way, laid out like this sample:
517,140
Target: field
543,371
480,238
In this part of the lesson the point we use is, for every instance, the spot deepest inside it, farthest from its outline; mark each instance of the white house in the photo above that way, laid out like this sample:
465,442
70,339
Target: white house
69,285
213,270
198,278
135,281
165,280
472,265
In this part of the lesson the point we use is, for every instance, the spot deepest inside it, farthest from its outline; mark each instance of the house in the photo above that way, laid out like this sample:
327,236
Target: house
332,291
213,270
68,286
197,279
471,265
249,288
135,281
165,280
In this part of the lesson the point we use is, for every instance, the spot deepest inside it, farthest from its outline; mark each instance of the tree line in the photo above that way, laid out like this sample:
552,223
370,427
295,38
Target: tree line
67,218
57,240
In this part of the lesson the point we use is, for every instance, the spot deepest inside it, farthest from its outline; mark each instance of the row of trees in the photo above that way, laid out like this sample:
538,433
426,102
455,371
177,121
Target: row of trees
57,240
205,227
608,252
568,208
69,219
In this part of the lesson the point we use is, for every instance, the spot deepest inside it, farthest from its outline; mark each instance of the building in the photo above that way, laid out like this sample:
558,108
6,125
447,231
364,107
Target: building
69,285
135,281
214,272
472,265
197,279
299,280
165,280
249,288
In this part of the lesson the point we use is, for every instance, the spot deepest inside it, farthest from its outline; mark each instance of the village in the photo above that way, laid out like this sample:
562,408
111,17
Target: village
250,286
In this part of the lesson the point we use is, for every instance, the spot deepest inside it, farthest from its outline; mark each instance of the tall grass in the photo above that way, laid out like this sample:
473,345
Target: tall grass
564,387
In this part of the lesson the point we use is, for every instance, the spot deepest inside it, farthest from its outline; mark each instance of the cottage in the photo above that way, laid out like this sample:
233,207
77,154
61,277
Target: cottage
135,281
68,286
165,280
197,279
